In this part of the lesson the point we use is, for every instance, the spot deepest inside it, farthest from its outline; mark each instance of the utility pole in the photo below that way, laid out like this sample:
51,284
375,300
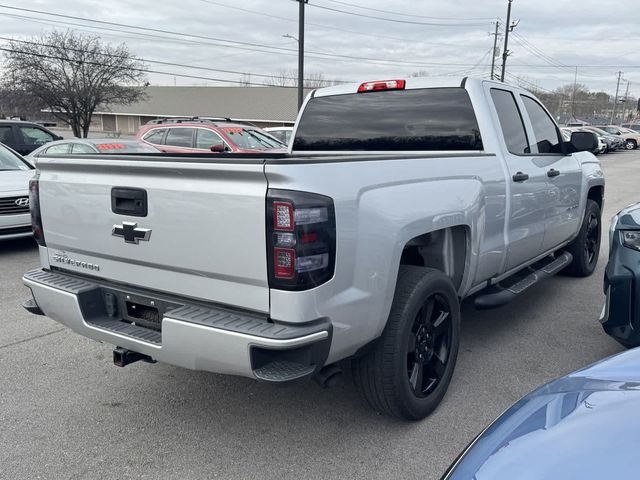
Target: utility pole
495,46
301,52
573,95
507,28
615,102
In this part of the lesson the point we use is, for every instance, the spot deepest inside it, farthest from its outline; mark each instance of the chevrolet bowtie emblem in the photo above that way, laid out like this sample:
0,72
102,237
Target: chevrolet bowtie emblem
131,233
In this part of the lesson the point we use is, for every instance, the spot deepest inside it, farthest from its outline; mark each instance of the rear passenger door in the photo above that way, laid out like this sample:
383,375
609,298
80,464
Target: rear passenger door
564,175
179,140
527,188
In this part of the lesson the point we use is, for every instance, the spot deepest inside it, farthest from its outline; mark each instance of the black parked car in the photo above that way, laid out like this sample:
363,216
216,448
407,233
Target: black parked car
620,315
25,137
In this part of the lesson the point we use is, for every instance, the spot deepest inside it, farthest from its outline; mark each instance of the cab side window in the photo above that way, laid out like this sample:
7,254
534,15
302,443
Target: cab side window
548,139
515,135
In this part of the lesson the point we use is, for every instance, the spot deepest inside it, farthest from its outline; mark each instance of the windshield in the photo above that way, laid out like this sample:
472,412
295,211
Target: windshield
11,161
251,138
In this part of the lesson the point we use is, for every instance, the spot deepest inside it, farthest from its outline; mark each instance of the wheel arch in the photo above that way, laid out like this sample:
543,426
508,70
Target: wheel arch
445,250
596,193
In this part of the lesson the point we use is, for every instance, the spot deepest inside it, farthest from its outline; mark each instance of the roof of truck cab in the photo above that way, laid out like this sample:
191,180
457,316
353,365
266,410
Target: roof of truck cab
411,83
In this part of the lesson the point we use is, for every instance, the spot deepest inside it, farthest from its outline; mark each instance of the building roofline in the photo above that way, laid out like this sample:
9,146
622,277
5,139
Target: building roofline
178,116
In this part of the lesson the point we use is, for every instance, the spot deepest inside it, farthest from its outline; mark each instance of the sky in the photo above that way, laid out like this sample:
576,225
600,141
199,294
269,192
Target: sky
220,39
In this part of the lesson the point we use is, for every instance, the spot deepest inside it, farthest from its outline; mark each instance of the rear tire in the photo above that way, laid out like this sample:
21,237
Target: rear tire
408,370
586,246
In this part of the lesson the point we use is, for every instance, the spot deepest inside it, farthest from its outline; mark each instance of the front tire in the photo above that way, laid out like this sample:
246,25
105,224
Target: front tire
630,144
408,370
586,246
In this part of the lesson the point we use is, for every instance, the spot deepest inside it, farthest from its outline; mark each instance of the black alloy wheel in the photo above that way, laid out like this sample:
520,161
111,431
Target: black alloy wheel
592,241
429,346
585,248
405,373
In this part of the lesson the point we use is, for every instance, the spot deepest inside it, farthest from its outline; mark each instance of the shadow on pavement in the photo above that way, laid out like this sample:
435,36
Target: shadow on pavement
17,245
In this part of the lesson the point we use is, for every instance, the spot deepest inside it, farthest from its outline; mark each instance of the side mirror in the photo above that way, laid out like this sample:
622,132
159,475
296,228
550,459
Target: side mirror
584,142
58,137
217,148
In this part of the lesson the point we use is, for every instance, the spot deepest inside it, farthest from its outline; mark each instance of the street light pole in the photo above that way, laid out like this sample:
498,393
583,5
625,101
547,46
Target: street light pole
301,52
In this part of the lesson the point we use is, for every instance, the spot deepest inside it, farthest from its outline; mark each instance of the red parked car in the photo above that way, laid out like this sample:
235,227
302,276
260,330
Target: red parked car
205,135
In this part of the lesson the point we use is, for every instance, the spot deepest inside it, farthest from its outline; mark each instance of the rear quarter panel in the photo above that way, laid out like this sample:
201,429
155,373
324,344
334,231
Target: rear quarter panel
380,206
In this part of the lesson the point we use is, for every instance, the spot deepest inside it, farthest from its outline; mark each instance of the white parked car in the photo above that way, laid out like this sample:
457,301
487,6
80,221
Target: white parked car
15,174
83,146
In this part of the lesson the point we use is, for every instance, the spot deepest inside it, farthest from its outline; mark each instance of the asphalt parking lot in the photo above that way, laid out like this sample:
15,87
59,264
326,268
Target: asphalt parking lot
67,412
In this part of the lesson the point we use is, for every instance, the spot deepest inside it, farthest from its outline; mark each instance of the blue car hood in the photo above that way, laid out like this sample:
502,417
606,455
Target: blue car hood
585,425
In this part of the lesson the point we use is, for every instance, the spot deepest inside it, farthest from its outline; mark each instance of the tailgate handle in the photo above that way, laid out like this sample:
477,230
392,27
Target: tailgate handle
129,201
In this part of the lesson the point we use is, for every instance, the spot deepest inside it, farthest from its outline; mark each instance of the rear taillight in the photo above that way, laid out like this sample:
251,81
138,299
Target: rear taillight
301,237
34,205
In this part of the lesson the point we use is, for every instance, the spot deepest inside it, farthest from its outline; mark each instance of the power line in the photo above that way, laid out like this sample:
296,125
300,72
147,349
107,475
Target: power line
249,46
407,14
281,50
410,22
144,70
468,72
527,82
328,27
159,62
543,56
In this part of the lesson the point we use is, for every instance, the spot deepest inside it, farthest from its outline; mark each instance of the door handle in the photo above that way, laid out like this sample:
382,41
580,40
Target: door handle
520,177
553,173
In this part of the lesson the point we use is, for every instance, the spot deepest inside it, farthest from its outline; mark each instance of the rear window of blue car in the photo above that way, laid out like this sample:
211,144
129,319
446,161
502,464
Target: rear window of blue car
402,120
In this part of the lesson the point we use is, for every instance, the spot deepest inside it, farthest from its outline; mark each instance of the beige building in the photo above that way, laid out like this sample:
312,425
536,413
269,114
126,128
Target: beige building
262,106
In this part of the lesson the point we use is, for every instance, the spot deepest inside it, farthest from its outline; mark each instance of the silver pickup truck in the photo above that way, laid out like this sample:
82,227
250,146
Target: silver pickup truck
398,199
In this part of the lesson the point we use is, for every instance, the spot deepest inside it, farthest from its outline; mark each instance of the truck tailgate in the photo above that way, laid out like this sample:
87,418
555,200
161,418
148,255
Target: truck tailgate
206,222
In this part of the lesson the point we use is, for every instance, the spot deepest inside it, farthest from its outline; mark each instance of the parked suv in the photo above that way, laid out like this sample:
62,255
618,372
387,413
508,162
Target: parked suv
630,137
25,137
632,126
204,135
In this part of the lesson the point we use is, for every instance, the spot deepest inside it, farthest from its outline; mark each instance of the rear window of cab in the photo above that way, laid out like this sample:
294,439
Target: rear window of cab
427,119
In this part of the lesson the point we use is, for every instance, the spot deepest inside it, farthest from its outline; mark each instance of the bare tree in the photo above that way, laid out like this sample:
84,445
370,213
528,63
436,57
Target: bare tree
245,80
316,80
283,78
289,78
72,74
17,103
